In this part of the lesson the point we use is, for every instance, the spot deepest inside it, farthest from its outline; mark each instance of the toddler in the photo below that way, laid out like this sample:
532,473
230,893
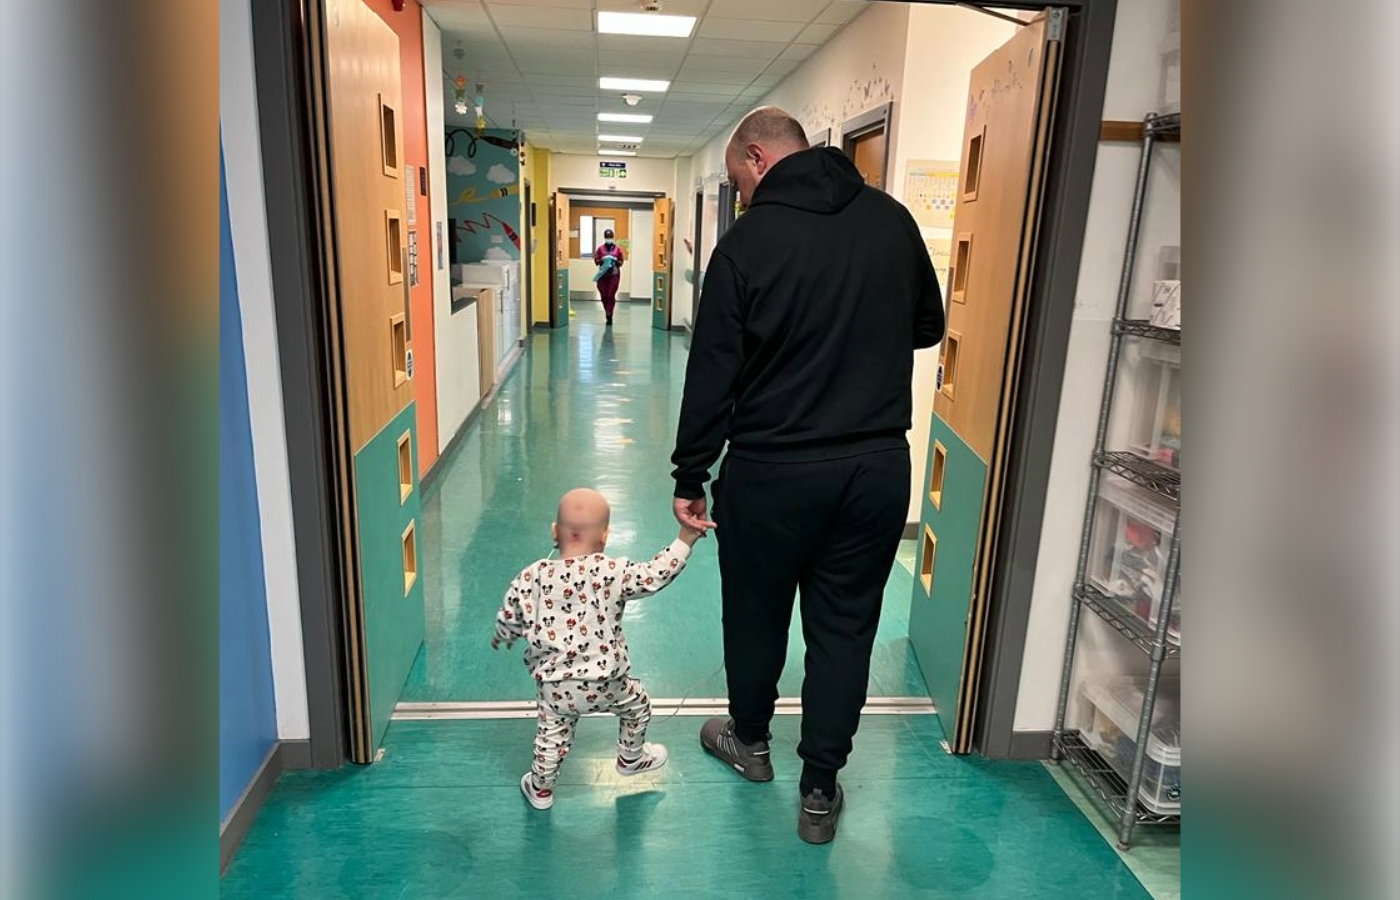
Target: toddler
569,612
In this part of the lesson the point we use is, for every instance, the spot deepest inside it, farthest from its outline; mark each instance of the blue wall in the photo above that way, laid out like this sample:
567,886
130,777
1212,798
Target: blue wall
247,707
483,191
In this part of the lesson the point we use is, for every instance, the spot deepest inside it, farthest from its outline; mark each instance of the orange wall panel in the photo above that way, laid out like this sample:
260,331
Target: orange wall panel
408,25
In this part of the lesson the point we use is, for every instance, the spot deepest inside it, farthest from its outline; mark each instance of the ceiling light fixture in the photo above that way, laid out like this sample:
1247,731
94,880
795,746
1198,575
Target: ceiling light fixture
618,139
617,153
636,118
645,24
644,85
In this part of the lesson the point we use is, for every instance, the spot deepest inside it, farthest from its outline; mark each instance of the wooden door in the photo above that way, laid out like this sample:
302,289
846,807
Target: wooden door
361,132
868,153
662,214
559,261
1010,108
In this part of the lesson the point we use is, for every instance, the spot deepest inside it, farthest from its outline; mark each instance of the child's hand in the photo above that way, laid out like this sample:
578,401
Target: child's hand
691,535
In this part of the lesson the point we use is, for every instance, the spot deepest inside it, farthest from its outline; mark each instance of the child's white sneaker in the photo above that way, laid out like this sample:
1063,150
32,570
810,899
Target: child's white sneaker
653,757
539,799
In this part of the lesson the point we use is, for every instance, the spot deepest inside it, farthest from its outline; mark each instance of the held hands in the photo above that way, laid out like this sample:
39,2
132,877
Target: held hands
692,514
691,535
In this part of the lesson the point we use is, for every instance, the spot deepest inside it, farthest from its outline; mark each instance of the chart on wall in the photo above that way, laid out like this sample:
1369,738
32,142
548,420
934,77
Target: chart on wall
931,191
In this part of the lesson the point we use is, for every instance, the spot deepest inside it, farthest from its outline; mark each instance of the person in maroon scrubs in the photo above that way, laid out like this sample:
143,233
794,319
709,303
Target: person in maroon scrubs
607,285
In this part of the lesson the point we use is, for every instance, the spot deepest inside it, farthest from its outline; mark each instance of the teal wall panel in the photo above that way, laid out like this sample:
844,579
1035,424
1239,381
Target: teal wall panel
938,621
561,299
393,620
661,301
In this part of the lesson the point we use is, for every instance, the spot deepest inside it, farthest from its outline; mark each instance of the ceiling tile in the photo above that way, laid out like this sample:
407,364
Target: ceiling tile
783,67
841,12
722,65
798,51
748,30
511,16
575,4
748,49
817,34
557,38
673,7
706,88
768,10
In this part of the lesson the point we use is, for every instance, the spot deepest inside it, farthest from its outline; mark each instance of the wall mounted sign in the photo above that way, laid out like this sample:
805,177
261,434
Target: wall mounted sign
608,169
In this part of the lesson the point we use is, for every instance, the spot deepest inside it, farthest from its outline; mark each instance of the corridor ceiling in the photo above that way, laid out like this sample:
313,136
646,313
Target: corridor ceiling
539,62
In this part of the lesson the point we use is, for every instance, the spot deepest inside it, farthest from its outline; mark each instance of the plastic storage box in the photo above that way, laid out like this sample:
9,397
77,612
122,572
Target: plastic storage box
1128,553
1112,732
1156,425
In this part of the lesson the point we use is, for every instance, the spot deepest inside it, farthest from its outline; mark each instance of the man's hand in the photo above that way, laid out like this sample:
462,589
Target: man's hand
692,514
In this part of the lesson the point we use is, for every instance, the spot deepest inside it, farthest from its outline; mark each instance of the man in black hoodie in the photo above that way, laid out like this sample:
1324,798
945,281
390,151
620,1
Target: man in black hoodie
802,361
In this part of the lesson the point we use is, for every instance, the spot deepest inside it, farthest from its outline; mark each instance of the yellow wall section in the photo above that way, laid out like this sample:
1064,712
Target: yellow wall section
537,170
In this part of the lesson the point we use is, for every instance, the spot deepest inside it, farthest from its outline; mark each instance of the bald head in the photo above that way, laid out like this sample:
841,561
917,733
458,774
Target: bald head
772,128
581,526
762,139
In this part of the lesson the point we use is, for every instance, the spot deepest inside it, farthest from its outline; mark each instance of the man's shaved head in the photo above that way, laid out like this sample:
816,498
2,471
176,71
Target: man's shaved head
762,139
771,127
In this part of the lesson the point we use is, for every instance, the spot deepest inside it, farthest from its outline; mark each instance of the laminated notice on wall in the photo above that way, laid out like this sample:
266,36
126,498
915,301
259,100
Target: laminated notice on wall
410,178
931,191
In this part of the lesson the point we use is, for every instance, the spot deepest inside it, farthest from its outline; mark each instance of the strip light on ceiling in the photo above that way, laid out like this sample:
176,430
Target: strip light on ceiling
645,24
645,85
619,139
631,118
616,153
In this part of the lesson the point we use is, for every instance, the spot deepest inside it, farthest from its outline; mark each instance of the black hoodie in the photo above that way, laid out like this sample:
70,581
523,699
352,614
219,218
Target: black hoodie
812,306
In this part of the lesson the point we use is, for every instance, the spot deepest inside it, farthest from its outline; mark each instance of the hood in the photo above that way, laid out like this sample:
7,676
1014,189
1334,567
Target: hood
819,180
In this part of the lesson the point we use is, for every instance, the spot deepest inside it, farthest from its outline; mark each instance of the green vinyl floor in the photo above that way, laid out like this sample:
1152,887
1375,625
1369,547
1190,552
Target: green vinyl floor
442,817
596,407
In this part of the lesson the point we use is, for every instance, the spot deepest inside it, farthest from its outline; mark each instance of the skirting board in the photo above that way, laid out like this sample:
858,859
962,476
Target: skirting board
427,479
284,755
1030,745
911,531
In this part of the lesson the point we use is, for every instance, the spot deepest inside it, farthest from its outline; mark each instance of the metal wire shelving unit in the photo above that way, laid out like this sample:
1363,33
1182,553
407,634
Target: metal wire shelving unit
1120,797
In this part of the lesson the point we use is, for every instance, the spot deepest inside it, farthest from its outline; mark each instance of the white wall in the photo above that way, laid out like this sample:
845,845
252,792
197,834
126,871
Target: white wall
238,113
681,227
643,174
944,44
456,351
1133,78
643,237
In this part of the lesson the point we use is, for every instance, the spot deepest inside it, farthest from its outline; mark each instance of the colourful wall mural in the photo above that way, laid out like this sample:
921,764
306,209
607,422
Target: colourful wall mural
483,193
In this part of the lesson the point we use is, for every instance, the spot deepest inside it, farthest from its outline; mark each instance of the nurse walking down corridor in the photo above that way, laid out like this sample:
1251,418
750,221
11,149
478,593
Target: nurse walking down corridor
609,259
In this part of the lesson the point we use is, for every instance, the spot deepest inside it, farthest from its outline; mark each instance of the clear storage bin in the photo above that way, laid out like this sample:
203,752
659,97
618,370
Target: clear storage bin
1156,427
1128,553
1171,74
1112,732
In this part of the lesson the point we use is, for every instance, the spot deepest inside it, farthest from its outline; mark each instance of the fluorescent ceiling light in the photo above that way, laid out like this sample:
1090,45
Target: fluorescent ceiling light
636,118
648,24
616,153
619,139
633,84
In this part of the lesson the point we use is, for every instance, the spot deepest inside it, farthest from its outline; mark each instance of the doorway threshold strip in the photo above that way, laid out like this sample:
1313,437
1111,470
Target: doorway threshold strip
699,706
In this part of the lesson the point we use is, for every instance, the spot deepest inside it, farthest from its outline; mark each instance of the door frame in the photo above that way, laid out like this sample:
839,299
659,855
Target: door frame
282,59
878,119
821,138
695,256
527,254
